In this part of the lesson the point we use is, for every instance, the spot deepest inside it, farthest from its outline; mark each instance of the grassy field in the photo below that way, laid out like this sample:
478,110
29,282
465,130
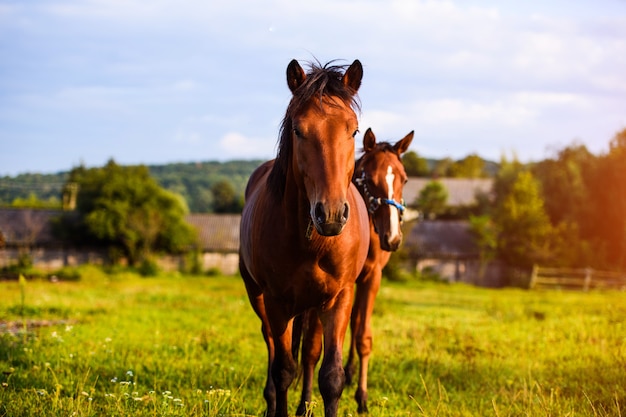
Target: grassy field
120,345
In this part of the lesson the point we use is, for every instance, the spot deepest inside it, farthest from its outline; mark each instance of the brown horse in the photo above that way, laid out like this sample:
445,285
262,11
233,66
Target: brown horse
304,228
380,177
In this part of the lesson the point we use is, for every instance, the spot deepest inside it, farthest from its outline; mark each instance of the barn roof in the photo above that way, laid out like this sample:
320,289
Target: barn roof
461,191
436,238
217,232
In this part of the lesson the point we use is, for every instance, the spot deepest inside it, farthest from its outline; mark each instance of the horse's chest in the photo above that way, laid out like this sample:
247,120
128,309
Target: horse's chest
301,279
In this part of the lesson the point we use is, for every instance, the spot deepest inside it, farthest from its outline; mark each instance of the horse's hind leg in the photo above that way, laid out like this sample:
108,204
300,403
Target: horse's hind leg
258,305
311,352
350,368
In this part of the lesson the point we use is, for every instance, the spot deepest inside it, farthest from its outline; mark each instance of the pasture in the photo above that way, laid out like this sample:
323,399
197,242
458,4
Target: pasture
120,345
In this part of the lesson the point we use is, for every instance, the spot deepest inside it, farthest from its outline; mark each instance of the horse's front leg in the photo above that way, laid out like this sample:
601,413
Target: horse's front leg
331,375
283,367
311,352
362,311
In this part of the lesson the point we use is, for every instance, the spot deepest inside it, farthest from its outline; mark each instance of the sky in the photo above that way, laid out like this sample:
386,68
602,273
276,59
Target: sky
163,81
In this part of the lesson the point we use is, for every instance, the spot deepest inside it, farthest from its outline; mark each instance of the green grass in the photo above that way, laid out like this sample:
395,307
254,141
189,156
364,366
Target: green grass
120,345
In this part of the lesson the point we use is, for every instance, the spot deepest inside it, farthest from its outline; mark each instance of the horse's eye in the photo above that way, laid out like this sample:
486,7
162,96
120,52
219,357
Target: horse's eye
297,132
355,132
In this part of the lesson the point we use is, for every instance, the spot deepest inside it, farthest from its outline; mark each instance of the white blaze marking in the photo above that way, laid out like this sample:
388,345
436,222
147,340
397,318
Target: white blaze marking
394,223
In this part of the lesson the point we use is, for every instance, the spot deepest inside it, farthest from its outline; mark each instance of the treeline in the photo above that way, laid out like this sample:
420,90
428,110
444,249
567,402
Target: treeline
569,210
472,166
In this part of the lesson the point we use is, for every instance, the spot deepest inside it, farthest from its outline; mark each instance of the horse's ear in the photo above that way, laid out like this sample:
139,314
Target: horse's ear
353,75
402,145
369,140
295,75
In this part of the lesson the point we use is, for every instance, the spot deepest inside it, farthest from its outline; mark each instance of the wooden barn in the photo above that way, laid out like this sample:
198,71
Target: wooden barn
219,240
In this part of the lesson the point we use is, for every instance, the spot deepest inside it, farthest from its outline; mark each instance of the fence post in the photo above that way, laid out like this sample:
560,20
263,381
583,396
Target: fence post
587,285
533,277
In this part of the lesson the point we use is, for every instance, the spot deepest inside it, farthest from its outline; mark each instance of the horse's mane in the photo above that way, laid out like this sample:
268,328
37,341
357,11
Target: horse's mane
321,81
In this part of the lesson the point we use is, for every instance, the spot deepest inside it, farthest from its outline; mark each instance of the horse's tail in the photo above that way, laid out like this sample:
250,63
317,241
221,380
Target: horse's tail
297,334
304,338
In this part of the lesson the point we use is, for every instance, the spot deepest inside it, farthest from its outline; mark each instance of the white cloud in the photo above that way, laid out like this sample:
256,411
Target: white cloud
238,146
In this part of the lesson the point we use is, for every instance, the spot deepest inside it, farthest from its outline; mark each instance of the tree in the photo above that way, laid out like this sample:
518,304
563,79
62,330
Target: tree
472,166
432,199
124,209
563,184
607,189
506,176
414,165
442,168
524,227
485,235
225,198
34,202
566,195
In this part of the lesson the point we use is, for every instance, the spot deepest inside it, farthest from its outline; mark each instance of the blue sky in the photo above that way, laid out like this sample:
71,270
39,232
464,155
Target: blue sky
178,81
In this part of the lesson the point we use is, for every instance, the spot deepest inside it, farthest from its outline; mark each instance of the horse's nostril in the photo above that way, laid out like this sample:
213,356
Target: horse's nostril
320,213
346,213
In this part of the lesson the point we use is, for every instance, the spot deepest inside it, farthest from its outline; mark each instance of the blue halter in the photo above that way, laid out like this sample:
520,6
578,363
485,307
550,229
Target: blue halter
375,202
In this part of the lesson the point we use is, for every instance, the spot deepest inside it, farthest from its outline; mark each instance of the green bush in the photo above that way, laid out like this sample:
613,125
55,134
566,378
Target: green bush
148,268
67,274
213,272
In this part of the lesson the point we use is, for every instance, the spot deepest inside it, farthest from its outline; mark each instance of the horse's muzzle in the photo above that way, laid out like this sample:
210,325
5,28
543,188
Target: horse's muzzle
330,222
386,243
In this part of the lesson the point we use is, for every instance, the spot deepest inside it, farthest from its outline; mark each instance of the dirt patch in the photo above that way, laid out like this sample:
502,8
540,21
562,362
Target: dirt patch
16,327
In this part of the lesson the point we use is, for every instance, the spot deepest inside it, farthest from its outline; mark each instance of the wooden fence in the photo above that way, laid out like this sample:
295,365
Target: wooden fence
576,279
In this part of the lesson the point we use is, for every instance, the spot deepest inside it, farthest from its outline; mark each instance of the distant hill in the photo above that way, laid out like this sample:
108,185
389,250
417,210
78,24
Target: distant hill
192,180
43,186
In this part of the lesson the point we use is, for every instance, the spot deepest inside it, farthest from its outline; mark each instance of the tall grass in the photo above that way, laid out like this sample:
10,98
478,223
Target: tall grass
120,345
